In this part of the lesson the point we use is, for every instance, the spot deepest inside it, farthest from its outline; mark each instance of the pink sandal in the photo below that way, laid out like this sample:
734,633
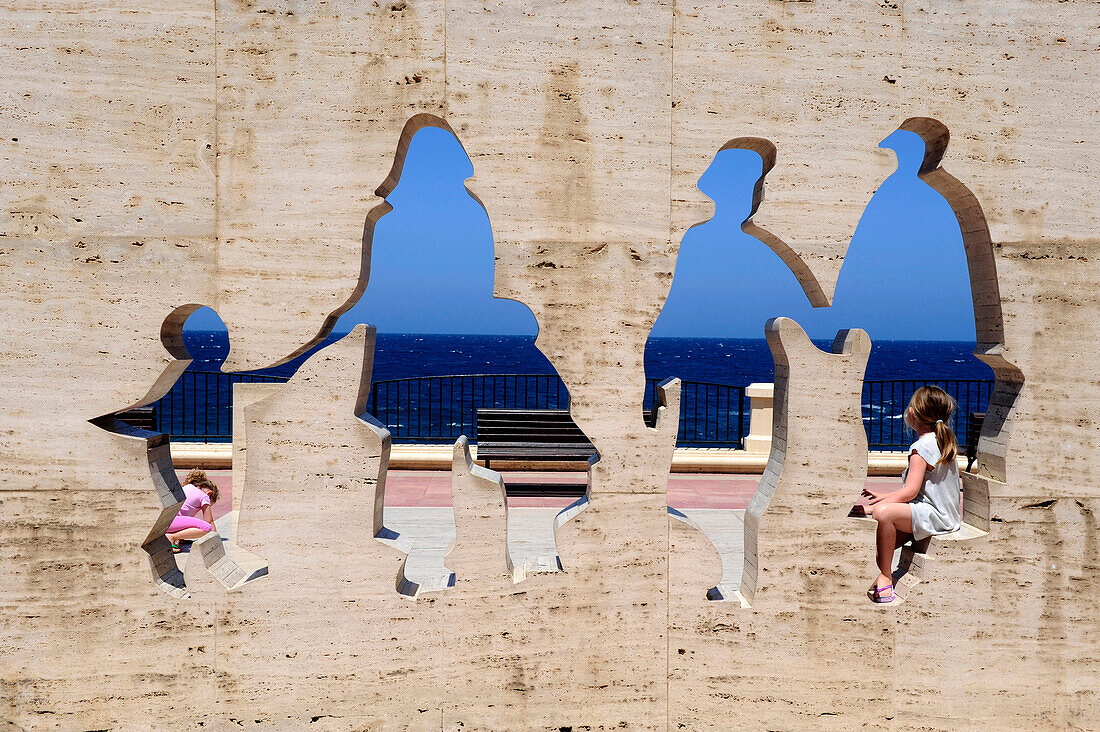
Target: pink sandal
876,595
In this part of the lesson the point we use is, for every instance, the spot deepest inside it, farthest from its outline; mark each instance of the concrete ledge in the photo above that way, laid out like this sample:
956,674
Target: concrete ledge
205,455
219,456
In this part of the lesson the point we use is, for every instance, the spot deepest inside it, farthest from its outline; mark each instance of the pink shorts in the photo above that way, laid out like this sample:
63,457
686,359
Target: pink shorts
179,523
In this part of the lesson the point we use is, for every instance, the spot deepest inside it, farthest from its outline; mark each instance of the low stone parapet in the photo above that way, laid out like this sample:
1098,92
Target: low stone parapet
219,456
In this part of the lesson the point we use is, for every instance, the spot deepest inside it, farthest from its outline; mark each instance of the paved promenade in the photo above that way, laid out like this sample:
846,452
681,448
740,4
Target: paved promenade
418,508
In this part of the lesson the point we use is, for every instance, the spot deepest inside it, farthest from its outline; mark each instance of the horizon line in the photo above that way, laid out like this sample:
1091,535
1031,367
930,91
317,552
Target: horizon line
761,337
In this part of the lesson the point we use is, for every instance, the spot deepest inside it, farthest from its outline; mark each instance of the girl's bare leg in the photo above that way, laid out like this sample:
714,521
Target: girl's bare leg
186,535
894,520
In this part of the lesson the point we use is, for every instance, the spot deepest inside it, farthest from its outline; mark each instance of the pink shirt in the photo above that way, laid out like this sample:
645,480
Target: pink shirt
196,500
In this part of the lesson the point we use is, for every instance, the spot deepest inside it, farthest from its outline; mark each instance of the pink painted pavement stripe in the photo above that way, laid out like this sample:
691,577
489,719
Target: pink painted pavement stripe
421,488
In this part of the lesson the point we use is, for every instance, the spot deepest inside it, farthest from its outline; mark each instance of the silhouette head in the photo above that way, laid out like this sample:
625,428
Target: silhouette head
735,178
446,163
909,148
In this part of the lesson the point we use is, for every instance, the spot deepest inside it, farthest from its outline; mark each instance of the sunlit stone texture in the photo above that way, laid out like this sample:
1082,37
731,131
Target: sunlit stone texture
237,155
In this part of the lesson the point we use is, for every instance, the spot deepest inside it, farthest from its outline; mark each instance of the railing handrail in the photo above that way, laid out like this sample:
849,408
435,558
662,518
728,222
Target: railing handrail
932,380
924,380
699,383
241,374
536,376
461,376
440,406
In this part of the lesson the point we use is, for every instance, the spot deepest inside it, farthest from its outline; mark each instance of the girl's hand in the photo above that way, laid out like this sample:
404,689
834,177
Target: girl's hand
875,496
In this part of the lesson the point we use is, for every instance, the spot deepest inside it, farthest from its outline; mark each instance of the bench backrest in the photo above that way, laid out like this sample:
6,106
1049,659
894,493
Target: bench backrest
143,417
974,429
528,425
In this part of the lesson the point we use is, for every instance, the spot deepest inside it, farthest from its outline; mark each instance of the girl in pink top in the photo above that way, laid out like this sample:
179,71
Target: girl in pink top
200,493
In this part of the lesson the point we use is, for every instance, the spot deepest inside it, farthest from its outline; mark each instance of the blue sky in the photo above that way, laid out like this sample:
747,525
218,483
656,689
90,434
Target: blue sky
904,276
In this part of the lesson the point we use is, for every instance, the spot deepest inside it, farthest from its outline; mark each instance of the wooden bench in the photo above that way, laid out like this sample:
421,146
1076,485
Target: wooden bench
530,435
142,417
973,432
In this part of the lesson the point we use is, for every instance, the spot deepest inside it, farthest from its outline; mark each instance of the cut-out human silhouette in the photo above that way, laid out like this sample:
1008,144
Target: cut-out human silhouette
432,256
728,285
914,279
433,270
723,274
908,284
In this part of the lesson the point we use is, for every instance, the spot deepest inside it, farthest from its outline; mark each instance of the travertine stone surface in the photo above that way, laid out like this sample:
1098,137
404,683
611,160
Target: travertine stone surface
327,617
1051,302
998,626
773,70
130,200
989,326
564,108
825,81
1014,83
78,576
158,160
90,204
517,654
311,100
481,519
599,354
102,180
244,394
109,122
568,128
816,470
805,661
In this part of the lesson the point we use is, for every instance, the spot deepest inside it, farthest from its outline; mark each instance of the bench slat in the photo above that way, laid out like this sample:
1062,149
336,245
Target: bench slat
530,434
535,451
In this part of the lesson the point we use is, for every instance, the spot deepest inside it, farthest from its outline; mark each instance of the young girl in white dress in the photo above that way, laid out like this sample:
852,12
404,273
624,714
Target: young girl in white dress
928,502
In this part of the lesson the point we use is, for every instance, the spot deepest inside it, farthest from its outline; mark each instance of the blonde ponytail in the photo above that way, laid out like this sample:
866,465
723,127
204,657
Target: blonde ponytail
948,444
933,407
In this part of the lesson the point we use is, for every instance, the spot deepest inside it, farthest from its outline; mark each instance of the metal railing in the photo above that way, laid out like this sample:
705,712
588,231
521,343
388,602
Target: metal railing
440,408
199,407
884,404
711,415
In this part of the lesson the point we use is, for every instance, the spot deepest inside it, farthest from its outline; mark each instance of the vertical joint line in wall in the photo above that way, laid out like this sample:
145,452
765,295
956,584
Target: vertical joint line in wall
671,116
668,613
214,662
668,519
217,155
446,97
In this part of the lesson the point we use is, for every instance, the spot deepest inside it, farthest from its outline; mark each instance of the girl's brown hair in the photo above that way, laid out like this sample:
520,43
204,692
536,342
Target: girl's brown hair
932,407
199,479
207,483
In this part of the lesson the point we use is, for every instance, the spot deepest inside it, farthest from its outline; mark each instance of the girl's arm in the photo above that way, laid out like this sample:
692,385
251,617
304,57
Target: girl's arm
908,491
207,514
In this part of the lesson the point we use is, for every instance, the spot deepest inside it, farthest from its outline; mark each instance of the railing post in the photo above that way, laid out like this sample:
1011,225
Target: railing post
759,439
193,408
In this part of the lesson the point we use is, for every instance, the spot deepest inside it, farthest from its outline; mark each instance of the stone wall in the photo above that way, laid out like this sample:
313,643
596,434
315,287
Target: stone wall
157,160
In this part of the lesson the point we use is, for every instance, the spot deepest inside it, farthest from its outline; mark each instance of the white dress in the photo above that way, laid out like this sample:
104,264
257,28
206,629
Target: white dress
936,509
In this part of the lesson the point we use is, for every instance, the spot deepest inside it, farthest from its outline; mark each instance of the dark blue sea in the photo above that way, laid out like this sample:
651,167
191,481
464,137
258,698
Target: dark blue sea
413,397
734,361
